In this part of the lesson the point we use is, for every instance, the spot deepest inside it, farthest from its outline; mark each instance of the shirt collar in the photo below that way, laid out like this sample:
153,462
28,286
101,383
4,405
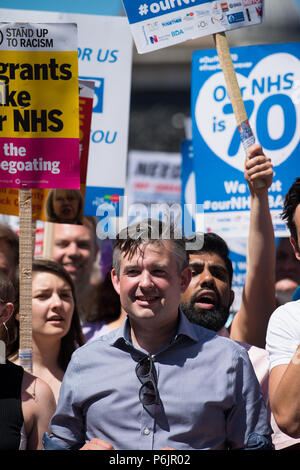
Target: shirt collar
185,328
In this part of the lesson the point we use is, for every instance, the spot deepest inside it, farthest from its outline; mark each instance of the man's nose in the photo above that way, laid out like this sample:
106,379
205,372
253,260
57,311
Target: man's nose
145,280
73,249
206,278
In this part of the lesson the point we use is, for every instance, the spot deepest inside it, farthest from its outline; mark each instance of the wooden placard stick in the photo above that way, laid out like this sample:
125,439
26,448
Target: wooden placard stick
235,95
25,278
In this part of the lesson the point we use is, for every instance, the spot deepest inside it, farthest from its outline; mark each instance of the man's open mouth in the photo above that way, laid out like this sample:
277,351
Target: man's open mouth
206,299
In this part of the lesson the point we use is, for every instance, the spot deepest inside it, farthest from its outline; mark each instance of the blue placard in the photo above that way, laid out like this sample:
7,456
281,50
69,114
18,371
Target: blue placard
270,94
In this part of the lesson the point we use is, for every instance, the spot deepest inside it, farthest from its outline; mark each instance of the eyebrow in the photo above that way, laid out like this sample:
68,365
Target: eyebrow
78,240
200,264
138,266
46,289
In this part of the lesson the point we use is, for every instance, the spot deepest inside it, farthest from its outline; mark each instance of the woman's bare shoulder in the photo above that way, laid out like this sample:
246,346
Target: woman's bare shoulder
38,405
38,391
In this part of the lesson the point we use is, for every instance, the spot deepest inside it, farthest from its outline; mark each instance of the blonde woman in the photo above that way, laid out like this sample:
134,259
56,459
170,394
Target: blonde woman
64,206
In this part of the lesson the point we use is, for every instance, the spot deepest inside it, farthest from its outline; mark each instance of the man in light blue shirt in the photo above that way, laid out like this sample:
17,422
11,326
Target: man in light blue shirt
159,381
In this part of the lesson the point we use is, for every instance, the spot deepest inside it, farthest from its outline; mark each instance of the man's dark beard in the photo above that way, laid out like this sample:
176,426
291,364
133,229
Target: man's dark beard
213,319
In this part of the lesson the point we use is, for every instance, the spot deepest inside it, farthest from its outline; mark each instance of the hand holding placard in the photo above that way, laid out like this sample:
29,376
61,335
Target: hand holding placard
235,95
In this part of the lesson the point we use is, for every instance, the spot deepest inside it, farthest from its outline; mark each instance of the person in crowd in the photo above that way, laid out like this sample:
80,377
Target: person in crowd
249,324
138,377
56,329
208,298
26,402
75,248
283,338
287,272
64,206
9,252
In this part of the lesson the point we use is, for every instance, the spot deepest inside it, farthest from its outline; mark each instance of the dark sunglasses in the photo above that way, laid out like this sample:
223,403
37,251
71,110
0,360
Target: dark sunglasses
148,393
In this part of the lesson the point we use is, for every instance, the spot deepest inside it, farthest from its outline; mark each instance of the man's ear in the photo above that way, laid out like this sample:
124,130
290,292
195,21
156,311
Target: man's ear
115,280
7,312
295,248
186,277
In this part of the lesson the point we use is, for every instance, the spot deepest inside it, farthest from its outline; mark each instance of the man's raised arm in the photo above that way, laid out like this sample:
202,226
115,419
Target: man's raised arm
258,300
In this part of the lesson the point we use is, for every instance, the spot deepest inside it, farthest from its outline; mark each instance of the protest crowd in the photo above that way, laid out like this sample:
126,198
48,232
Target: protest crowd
137,343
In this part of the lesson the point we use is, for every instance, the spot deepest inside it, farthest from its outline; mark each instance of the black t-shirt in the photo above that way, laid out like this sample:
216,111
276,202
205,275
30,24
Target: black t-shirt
11,415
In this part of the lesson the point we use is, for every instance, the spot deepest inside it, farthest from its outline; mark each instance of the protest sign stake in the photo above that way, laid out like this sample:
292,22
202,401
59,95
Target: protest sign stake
235,94
25,278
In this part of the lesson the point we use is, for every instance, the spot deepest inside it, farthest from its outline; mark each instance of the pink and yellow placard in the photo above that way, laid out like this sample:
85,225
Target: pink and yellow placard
39,106
9,197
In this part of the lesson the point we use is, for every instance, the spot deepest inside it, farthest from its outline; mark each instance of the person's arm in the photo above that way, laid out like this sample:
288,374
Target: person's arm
97,444
100,444
284,386
283,338
250,323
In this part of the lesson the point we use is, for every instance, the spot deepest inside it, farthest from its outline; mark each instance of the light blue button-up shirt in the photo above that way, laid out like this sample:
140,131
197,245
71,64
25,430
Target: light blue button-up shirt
209,395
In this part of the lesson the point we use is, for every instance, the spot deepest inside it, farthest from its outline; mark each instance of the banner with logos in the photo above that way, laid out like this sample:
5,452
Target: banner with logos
104,55
158,24
270,95
39,132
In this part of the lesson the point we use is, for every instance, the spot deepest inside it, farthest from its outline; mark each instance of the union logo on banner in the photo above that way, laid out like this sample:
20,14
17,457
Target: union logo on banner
175,21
